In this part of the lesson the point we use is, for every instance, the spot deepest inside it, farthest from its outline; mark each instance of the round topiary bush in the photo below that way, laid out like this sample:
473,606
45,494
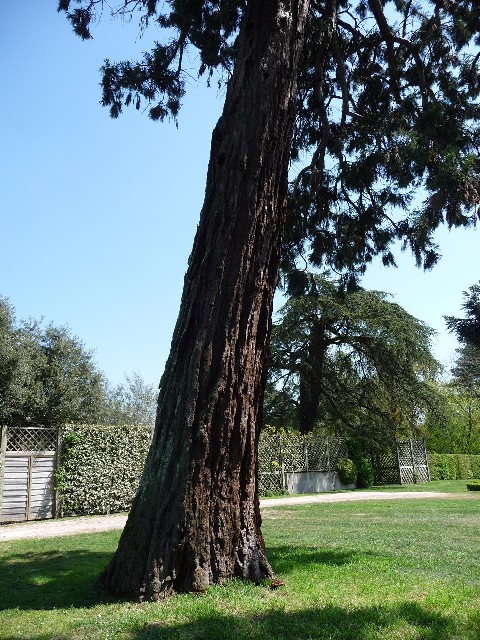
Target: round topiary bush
473,485
347,471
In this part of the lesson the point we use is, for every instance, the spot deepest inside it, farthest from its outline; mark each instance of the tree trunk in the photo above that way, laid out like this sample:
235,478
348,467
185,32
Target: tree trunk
311,378
196,519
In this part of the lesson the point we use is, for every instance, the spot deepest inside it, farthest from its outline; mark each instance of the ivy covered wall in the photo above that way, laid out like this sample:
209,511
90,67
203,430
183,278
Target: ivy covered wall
99,468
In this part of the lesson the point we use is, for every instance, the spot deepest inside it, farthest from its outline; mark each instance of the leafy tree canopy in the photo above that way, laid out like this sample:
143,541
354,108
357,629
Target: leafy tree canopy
133,402
468,328
48,377
466,370
387,110
349,361
453,424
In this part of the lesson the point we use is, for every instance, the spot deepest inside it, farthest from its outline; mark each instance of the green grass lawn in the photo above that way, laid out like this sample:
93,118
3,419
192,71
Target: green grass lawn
353,571
439,486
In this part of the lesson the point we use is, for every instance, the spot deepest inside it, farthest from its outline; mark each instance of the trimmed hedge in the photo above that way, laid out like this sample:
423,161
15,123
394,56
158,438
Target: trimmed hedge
100,468
453,466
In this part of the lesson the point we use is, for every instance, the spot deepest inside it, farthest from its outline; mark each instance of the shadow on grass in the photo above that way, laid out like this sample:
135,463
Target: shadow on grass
54,580
51,579
405,620
287,559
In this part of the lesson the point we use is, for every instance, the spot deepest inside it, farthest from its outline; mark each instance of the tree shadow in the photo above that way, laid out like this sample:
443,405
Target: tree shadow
51,579
286,559
407,619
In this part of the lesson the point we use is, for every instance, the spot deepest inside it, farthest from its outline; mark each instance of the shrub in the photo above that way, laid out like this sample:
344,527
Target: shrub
474,485
365,473
453,466
347,471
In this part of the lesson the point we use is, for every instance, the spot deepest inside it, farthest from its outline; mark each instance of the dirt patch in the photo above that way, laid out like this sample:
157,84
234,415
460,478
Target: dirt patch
90,524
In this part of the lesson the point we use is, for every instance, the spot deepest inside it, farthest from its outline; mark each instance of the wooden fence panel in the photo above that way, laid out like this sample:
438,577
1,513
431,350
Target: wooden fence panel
27,468
41,487
28,486
15,488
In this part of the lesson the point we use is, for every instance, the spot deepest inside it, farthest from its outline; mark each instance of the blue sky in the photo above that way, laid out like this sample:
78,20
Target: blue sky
97,216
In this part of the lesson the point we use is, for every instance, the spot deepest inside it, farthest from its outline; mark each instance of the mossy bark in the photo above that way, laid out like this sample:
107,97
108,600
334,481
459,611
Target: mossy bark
196,519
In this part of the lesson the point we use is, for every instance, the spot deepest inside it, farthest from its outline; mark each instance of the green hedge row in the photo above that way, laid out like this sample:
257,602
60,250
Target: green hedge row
100,468
453,466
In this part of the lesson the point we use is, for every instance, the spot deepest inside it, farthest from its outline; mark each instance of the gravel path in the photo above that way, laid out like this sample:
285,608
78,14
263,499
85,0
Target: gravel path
89,524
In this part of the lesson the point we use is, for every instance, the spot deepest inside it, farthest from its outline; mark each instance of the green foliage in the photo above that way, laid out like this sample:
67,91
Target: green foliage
452,425
386,106
466,370
347,471
133,402
47,376
357,452
365,473
468,328
447,466
100,468
473,486
349,361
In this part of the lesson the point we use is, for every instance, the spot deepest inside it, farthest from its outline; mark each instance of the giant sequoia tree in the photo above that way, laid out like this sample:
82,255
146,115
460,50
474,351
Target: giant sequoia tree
381,96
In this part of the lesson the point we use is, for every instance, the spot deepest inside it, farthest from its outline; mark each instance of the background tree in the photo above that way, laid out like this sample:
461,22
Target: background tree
132,402
408,87
350,361
468,328
8,360
453,425
466,370
48,377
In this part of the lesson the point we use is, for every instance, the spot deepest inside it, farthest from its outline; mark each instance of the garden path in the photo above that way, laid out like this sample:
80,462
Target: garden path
89,524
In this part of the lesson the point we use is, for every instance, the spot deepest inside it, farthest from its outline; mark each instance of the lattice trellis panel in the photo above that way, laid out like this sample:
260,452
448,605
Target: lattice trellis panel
337,449
270,464
386,468
270,483
280,454
293,452
405,463
317,453
412,460
31,439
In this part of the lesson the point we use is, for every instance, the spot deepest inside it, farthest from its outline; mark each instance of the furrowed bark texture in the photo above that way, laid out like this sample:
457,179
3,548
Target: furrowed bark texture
196,520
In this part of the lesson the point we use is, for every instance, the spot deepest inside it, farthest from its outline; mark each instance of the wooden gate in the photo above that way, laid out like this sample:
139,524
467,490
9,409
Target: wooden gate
28,461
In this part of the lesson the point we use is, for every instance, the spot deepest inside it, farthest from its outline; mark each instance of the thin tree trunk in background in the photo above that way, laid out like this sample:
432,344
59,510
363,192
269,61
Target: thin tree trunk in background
196,519
311,378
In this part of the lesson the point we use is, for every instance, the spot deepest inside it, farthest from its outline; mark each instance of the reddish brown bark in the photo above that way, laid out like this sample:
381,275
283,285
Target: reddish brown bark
196,520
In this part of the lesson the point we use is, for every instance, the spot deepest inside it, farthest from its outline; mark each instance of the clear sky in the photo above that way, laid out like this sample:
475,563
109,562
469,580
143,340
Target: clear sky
97,216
